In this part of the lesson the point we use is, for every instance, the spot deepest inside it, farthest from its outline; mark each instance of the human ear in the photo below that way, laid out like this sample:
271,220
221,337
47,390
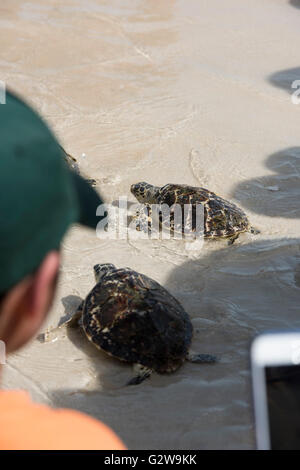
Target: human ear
25,306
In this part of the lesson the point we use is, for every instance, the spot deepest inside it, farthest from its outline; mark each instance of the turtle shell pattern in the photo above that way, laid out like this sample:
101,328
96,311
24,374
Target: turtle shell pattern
221,218
132,317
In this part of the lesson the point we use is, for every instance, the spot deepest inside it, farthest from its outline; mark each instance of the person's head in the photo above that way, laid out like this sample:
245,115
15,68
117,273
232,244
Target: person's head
40,197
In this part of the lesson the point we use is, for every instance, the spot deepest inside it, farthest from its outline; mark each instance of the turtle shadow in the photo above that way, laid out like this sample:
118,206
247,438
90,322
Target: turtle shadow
277,194
235,287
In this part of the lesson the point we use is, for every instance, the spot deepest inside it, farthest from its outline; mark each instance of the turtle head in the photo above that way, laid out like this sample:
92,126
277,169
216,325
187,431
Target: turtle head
145,192
101,269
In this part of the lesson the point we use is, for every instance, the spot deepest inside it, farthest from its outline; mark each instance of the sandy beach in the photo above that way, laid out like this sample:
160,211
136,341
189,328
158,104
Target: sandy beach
177,91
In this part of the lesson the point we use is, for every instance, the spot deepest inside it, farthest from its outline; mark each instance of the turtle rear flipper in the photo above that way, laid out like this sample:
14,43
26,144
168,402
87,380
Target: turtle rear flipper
201,358
141,373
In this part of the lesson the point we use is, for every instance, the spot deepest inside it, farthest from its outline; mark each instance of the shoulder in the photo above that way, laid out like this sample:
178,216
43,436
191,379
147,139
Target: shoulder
27,425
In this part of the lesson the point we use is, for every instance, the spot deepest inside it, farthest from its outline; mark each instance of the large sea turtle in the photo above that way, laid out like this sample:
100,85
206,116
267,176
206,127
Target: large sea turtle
133,318
222,219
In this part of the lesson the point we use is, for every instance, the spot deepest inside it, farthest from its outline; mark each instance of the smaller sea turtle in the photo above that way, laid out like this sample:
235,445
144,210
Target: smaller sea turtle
72,162
133,318
222,219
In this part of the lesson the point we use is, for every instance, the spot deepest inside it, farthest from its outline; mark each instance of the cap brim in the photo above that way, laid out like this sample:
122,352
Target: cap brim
88,201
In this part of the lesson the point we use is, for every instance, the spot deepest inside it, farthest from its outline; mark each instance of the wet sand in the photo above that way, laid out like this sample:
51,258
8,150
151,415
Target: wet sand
179,91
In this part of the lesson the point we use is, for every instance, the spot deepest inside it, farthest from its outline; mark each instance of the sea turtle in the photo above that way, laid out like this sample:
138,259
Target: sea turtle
222,219
72,162
133,318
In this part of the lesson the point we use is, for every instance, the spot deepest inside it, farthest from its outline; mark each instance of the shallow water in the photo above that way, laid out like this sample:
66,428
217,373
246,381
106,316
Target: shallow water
176,91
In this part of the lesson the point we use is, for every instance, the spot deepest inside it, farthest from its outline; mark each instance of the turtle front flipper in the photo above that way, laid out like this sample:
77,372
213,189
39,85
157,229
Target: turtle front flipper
141,373
142,219
74,318
201,358
71,320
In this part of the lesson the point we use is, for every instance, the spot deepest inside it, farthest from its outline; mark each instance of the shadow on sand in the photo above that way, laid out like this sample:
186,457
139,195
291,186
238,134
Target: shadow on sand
295,3
284,78
277,194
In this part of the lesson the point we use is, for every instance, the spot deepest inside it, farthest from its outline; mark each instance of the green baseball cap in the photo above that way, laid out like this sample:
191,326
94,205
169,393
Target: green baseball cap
40,196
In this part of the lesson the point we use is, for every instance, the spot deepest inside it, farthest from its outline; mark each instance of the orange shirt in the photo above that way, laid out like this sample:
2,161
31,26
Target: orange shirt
25,425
